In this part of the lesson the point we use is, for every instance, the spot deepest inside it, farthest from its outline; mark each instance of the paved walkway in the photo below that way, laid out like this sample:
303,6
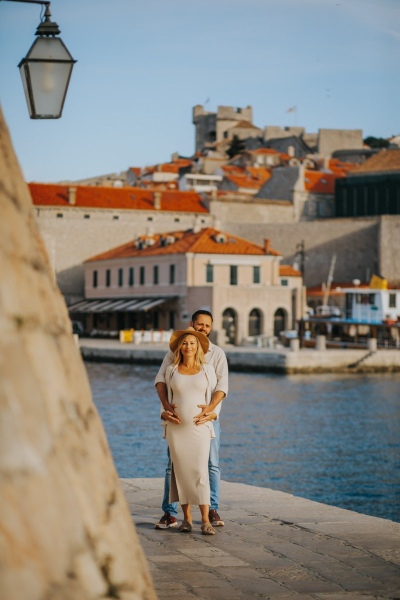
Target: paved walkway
273,545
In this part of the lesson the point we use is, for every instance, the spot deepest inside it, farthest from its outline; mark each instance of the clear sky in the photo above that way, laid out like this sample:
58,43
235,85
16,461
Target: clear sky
143,65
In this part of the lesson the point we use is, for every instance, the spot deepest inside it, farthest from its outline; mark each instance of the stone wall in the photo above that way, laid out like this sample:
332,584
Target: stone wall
389,247
66,531
72,239
354,241
330,140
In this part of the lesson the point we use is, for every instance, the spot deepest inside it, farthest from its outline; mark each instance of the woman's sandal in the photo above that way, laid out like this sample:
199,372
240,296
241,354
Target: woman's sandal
207,529
185,527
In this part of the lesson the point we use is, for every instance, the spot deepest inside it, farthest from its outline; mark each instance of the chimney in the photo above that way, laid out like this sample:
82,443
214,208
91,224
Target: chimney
157,200
267,246
72,195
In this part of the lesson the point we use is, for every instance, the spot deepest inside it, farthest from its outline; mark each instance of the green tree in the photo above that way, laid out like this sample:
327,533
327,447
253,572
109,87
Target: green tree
374,142
236,146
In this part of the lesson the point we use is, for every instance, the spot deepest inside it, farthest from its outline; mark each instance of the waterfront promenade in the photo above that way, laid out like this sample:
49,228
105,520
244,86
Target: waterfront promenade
250,358
273,545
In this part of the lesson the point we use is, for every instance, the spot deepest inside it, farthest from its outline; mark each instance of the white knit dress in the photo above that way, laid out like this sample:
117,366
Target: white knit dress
189,444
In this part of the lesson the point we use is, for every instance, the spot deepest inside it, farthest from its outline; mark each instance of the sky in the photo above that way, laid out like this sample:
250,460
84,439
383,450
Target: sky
143,65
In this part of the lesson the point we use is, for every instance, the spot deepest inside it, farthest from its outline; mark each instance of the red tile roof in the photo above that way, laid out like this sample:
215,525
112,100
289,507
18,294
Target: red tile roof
336,288
263,151
288,271
171,167
136,170
133,198
251,177
201,242
339,167
320,182
385,161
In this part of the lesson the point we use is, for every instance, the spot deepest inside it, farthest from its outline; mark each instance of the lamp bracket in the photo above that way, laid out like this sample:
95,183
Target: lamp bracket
47,26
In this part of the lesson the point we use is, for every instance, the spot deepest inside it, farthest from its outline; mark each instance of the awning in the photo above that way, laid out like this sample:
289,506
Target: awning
120,305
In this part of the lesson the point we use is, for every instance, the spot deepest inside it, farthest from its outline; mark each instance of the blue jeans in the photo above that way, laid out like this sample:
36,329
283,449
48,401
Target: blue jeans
214,473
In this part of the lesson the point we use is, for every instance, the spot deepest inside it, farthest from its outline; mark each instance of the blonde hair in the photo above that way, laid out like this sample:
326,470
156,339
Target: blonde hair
199,358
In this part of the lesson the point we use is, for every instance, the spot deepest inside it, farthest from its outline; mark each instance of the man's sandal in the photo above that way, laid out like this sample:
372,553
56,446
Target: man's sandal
185,527
207,529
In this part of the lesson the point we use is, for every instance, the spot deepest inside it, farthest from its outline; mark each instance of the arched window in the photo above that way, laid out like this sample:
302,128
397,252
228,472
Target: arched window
255,324
229,323
279,321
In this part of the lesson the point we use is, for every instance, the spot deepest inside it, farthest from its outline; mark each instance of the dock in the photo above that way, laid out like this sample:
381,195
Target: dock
250,358
273,546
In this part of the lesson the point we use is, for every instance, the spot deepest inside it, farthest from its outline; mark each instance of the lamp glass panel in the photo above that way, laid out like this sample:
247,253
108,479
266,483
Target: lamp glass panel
49,48
45,83
25,85
48,83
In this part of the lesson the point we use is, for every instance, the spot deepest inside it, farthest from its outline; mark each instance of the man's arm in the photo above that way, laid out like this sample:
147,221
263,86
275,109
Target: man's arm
210,412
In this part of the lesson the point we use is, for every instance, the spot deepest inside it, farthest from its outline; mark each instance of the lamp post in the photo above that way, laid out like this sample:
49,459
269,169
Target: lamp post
46,69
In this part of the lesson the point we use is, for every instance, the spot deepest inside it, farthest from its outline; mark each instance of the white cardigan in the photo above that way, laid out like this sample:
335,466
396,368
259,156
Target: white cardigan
209,372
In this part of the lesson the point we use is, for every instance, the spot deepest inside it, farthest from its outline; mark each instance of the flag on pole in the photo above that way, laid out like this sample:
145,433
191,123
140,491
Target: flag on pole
291,109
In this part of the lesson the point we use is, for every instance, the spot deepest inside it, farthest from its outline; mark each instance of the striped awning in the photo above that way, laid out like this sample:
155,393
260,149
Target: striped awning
120,305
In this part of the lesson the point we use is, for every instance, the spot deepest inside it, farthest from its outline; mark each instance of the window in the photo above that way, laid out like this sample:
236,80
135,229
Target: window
209,273
131,276
365,298
172,273
86,216
284,282
256,275
108,277
155,274
59,215
234,275
141,276
177,219
115,217
120,277
149,218
392,300
94,278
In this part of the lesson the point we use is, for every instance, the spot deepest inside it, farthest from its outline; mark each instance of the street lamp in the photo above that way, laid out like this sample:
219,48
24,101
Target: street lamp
46,69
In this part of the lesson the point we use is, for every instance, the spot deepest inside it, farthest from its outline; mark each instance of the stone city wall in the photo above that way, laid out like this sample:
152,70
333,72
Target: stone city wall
354,241
72,239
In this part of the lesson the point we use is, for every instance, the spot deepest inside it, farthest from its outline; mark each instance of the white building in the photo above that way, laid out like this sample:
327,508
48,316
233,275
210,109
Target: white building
158,281
374,306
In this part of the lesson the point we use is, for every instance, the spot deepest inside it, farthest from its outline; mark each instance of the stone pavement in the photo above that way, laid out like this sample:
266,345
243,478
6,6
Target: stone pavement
273,545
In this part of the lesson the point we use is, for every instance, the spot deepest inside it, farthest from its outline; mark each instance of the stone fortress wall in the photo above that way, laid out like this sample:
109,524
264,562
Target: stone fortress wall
72,239
363,246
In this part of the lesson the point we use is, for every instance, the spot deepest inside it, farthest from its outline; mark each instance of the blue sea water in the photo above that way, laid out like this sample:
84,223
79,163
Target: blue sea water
333,439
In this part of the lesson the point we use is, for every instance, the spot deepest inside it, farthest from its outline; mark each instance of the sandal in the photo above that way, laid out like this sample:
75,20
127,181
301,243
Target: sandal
207,529
185,527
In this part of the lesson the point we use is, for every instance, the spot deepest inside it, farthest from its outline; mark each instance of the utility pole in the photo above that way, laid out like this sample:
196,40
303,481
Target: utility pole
301,255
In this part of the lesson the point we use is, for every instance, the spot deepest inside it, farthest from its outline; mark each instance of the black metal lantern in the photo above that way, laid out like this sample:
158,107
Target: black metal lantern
46,71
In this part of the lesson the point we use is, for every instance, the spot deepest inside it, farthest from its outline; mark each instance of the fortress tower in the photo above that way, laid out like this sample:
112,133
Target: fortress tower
211,127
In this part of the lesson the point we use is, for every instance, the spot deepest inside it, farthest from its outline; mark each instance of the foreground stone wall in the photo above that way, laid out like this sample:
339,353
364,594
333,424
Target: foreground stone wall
65,528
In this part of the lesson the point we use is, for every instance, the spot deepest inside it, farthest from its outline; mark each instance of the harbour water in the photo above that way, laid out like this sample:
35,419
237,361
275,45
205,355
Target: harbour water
330,438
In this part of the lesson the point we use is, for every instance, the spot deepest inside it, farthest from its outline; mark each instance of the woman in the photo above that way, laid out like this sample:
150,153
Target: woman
190,382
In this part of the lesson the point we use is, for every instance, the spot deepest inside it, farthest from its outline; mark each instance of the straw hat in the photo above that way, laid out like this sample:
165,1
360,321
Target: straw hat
176,336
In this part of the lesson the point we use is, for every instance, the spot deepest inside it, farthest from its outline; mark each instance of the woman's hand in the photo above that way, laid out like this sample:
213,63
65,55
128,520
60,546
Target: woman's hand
205,415
170,414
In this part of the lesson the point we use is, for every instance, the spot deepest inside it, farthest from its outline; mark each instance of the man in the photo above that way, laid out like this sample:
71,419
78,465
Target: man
202,321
